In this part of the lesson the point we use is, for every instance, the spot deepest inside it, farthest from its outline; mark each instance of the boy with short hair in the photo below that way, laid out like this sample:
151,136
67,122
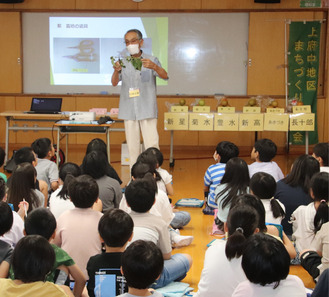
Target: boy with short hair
225,150
142,264
77,228
321,153
115,229
140,196
47,170
262,153
42,222
6,221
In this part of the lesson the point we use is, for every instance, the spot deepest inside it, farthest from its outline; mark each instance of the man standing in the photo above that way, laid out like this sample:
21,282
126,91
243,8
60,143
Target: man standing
138,106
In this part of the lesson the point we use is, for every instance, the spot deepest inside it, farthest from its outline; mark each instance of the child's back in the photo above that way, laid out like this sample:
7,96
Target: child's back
263,152
225,150
46,169
115,228
77,228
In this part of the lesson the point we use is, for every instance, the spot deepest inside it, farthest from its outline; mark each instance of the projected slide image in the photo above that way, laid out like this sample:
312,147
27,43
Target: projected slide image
76,55
81,48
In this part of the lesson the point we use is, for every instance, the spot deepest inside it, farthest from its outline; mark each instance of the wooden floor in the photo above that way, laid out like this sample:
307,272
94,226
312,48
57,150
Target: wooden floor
188,172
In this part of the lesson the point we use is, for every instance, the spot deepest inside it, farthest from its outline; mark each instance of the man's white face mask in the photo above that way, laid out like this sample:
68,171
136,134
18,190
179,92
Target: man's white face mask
133,49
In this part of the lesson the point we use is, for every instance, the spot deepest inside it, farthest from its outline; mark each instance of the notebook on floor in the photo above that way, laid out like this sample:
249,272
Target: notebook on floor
46,105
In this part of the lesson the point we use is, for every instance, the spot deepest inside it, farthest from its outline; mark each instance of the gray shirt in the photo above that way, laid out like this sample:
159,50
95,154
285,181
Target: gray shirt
143,106
109,192
47,170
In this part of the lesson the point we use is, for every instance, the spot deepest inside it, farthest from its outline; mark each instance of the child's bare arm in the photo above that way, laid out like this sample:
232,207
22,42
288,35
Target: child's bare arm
54,185
4,269
289,246
170,189
79,278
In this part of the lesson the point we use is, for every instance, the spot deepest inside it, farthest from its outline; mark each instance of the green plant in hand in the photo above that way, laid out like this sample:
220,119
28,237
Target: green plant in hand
136,62
120,62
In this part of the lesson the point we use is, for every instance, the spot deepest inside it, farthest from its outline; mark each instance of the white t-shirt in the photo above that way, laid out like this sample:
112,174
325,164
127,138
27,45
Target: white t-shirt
160,208
268,167
166,179
269,218
324,169
303,226
58,205
321,243
292,286
16,231
219,276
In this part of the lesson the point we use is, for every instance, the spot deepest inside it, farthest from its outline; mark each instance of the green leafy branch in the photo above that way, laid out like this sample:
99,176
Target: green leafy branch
136,62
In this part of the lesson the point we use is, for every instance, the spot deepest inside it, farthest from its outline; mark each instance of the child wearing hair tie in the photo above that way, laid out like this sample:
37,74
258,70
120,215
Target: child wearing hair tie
222,271
308,220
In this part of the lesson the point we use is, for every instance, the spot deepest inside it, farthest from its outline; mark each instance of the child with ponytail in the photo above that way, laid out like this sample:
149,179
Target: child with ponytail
263,185
316,259
222,270
308,220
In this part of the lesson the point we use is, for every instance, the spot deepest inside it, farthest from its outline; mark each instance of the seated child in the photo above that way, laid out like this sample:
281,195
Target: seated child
98,144
308,219
161,207
316,259
321,153
22,187
110,193
32,260
140,195
180,218
6,221
263,185
77,229
141,274
115,229
235,182
166,178
222,270
42,222
266,264
275,231
263,152
59,200
2,160
16,231
26,154
310,226
47,170
225,150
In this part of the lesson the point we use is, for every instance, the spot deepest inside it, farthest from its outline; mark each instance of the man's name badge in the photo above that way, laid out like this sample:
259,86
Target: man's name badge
133,92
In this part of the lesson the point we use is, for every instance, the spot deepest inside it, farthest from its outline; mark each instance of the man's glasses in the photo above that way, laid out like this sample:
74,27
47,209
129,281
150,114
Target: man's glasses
133,41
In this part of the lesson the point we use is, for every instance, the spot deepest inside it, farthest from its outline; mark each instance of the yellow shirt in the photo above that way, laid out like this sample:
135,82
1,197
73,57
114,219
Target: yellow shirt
8,288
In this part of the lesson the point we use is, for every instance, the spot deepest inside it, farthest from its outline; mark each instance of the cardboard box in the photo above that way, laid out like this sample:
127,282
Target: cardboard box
125,160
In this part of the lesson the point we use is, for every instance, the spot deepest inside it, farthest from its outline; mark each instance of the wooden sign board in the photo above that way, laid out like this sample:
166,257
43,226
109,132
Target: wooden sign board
201,108
274,110
201,121
179,108
276,122
225,109
251,122
176,121
302,122
226,122
251,109
301,109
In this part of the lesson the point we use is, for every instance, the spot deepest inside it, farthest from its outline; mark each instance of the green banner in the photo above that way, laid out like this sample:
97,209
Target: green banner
303,62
